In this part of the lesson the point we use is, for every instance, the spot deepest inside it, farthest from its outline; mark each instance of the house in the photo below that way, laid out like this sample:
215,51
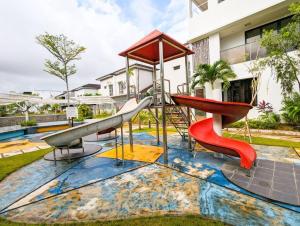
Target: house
84,90
114,84
230,30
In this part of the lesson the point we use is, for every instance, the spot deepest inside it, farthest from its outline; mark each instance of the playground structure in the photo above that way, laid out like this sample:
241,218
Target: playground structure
157,48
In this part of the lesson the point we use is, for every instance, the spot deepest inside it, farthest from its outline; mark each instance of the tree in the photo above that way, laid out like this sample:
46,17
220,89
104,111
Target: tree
45,108
64,51
206,73
278,46
85,112
55,108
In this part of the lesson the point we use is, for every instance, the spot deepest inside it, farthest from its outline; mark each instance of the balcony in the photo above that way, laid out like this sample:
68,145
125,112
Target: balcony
242,53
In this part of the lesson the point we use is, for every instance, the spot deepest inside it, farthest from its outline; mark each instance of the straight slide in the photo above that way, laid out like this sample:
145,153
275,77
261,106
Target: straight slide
203,132
72,135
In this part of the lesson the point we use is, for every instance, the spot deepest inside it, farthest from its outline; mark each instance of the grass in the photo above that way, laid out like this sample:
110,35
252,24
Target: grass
264,140
11,164
255,140
189,220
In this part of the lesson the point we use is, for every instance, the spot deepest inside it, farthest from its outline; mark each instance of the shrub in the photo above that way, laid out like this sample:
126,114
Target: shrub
29,123
103,114
291,109
3,111
85,112
265,121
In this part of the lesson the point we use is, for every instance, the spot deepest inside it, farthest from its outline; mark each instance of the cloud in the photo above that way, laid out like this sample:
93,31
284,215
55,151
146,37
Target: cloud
104,27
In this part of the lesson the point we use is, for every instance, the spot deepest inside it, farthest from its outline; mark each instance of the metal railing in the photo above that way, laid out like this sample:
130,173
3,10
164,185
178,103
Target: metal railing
242,53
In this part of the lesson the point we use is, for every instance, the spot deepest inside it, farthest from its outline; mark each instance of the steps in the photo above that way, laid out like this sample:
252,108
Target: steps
178,118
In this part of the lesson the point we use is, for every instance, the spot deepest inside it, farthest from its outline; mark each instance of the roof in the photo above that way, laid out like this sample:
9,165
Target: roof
87,86
147,49
122,70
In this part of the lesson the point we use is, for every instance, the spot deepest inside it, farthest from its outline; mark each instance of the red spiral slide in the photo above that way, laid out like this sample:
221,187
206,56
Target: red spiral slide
203,132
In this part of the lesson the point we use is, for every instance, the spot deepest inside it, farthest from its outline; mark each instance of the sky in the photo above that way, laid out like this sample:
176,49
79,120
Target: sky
104,27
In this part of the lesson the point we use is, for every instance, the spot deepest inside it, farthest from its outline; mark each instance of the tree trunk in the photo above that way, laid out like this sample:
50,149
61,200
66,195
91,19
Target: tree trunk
68,94
26,116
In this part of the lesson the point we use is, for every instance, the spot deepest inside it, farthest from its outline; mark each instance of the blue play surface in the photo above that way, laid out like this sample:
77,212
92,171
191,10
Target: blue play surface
52,181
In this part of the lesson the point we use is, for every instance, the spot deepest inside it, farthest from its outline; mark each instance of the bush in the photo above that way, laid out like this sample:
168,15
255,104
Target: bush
103,114
29,123
265,121
3,111
85,112
291,109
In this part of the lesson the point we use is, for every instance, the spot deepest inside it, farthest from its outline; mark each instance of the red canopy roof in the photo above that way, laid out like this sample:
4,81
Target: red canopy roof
147,49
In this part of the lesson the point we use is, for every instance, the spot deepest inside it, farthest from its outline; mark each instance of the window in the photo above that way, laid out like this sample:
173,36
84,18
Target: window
100,86
121,87
111,90
219,1
176,67
104,87
255,34
239,91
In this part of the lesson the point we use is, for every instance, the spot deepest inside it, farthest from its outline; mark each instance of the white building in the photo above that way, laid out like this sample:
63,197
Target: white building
114,84
230,30
84,90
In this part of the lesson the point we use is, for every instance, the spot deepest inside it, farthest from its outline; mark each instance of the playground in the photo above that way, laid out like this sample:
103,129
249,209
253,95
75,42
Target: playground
102,170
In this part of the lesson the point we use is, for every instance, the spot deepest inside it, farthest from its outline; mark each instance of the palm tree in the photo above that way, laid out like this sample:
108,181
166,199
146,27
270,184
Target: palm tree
220,70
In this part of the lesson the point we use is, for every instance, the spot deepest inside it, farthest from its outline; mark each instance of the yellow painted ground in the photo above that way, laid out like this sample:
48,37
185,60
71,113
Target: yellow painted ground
143,153
51,128
19,145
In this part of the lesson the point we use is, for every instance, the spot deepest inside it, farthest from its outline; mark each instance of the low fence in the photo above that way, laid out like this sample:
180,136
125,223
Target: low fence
16,120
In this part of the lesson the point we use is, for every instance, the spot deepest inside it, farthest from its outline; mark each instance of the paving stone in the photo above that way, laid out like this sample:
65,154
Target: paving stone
282,197
262,183
284,180
285,188
262,175
284,165
242,184
259,190
276,181
241,178
297,169
283,174
266,164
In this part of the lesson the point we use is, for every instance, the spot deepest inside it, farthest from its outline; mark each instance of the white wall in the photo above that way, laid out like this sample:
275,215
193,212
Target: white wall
82,92
104,90
176,77
145,78
234,40
225,13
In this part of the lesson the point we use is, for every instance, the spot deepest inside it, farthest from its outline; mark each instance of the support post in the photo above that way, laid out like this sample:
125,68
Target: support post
164,123
122,143
155,103
187,77
116,146
128,97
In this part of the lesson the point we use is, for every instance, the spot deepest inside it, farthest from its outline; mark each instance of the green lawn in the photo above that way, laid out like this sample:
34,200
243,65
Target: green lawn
11,164
264,141
255,140
147,221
